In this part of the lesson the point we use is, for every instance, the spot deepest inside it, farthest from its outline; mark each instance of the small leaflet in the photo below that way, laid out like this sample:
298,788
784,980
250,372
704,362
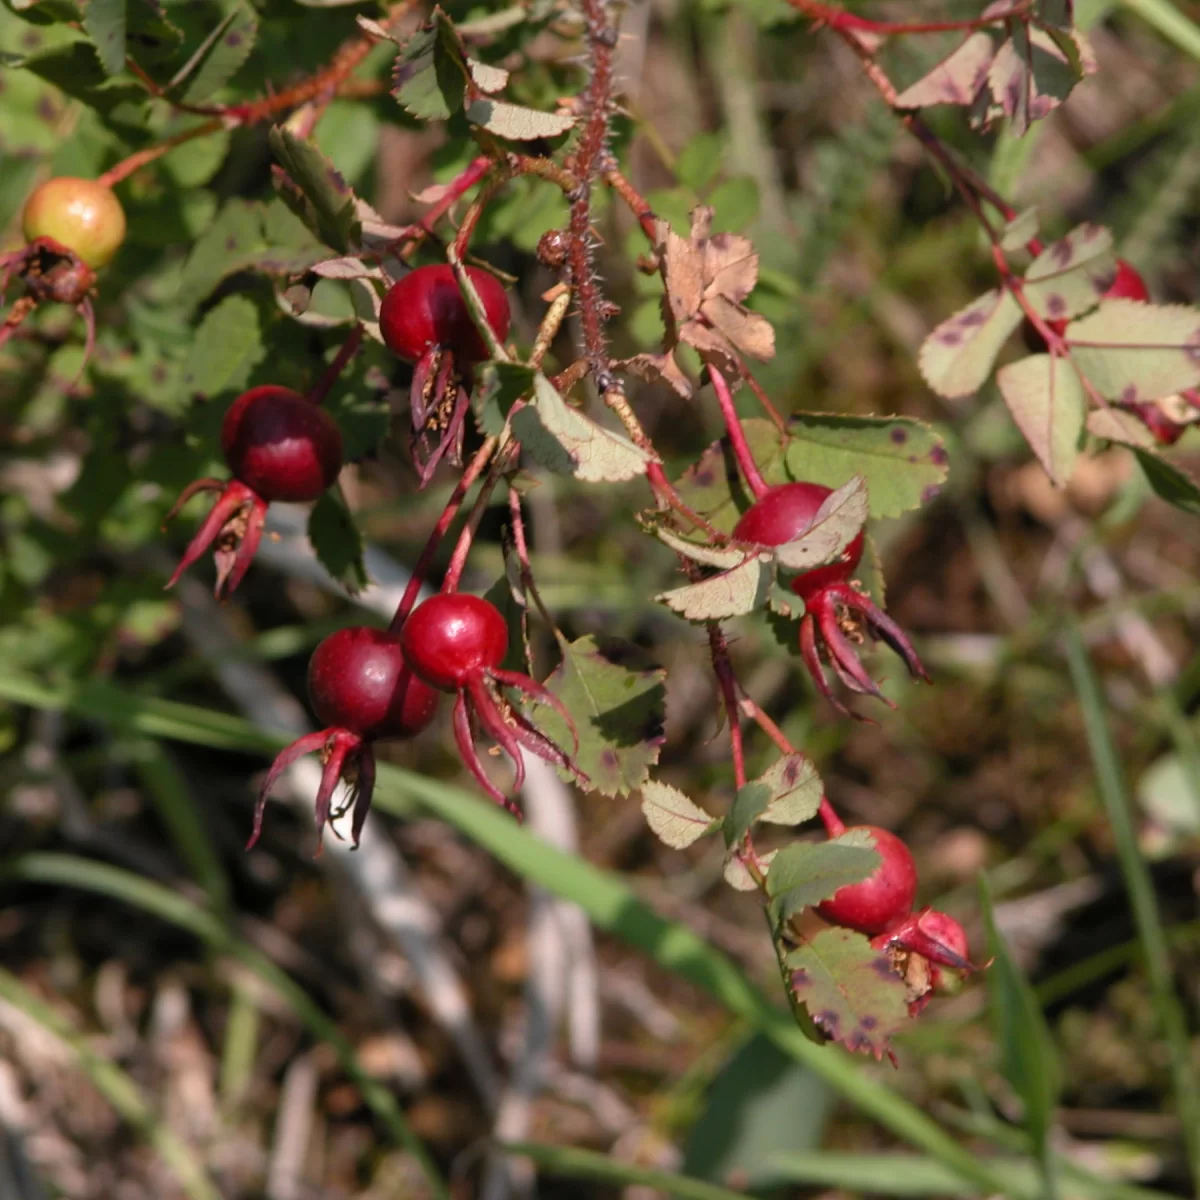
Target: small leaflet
672,817
957,79
1070,276
1048,404
732,593
836,524
957,357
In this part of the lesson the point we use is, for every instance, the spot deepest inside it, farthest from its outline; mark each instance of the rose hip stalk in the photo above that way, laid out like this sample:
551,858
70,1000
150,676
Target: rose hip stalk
279,446
362,688
425,321
835,611
456,643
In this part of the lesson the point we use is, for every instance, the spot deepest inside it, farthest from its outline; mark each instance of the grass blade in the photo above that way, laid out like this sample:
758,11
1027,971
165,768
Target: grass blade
1142,900
117,1088
68,870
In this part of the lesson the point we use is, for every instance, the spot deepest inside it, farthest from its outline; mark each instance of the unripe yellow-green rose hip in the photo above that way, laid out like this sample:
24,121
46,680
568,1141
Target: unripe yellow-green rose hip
81,214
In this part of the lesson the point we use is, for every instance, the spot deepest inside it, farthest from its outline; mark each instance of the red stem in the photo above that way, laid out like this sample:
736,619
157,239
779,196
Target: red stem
723,669
837,18
458,560
474,470
349,349
737,436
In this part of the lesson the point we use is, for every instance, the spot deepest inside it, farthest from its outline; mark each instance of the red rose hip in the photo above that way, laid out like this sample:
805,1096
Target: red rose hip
452,637
885,898
358,679
281,445
426,309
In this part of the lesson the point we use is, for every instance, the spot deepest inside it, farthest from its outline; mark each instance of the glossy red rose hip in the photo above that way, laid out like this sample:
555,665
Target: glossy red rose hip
833,606
452,637
884,899
781,515
281,445
358,679
426,309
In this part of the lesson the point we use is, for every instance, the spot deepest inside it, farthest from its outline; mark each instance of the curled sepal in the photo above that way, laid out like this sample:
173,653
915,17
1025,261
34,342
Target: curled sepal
233,527
439,400
835,619
346,757
465,739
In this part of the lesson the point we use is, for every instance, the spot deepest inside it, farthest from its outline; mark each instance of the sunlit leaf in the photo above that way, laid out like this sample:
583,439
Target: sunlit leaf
1048,404
616,697
849,989
672,817
1134,351
1071,275
956,79
732,593
835,525
957,357
805,873
515,122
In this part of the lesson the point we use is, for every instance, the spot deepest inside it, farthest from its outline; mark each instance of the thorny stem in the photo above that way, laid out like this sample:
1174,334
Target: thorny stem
834,825
474,469
737,436
586,162
349,349
139,158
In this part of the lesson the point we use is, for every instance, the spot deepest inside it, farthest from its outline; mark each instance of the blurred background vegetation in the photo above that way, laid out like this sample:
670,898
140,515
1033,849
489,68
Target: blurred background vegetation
180,1018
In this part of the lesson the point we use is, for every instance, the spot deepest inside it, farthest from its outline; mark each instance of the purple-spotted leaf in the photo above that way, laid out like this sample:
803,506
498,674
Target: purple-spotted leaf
672,817
732,593
1048,403
794,791
617,700
1132,351
564,440
902,460
956,79
1033,73
1070,276
957,357
849,989
314,190
805,873
836,524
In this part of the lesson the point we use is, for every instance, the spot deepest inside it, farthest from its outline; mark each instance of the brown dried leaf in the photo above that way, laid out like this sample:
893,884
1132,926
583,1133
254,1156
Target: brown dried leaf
749,331
658,368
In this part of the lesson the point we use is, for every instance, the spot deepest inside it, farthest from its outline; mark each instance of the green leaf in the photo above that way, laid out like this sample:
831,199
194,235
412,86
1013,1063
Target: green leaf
247,235
956,79
957,357
104,21
835,525
617,699
561,439
672,817
515,122
1134,351
849,989
1034,72
228,346
431,72
805,873
338,542
1169,481
1048,404
700,160
325,202
795,791
219,57
732,593
74,68
500,386
736,203
1028,1056
902,460
748,805
1071,275
150,36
